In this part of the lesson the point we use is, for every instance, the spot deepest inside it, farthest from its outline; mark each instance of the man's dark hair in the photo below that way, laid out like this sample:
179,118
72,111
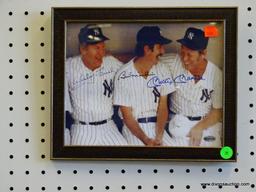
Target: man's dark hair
139,49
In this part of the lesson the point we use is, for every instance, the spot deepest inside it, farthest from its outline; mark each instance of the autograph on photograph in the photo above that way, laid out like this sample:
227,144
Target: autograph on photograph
125,75
156,81
88,78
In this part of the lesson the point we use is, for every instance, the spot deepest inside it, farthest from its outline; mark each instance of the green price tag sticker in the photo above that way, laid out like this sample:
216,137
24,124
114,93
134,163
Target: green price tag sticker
226,152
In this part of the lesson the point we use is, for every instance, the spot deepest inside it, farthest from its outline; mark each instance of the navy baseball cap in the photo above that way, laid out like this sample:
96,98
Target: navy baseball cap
91,34
150,35
194,39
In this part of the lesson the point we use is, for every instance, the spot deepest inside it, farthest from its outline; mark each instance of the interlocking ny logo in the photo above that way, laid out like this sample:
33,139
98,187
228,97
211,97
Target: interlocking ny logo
96,32
156,94
206,95
108,88
190,35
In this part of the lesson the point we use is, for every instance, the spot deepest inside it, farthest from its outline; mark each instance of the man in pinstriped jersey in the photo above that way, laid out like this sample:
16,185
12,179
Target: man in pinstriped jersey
143,101
196,106
89,90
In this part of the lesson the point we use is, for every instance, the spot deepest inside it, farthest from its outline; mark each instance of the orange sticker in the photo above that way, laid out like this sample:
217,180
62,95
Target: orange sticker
211,31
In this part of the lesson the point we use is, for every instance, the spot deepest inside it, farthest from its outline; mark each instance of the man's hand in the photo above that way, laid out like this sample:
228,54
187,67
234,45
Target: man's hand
151,142
159,140
195,135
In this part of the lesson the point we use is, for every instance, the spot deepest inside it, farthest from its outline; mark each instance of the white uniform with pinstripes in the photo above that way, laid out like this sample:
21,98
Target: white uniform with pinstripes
132,90
88,96
194,99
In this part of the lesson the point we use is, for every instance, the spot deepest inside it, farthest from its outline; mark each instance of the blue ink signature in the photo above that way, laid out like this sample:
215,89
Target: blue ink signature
105,72
125,75
84,77
156,81
184,79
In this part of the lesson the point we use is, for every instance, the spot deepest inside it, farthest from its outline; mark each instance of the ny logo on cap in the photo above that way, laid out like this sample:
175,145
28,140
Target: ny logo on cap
190,35
96,32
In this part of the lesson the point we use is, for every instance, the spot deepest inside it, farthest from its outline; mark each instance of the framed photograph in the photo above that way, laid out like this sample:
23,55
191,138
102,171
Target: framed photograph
144,84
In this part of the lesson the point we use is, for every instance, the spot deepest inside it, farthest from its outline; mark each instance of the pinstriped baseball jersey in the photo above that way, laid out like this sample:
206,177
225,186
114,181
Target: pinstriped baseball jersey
89,93
190,98
193,99
142,95
105,134
88,97
133,90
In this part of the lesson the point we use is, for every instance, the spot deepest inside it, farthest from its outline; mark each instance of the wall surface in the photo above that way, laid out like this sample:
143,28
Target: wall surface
25,36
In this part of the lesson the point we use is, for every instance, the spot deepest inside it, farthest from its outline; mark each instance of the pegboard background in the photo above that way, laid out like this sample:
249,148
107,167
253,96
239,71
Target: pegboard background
25,49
